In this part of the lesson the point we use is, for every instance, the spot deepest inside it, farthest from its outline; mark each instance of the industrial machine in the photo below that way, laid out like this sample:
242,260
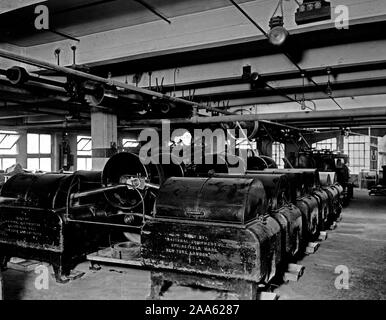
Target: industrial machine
327,161
312,187
301,198
38,220
288,216
380,188
214,227
329,183
215,224
59,218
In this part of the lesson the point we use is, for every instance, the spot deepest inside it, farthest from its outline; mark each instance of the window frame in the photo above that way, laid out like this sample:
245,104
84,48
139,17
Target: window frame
39,155
83,156
278,156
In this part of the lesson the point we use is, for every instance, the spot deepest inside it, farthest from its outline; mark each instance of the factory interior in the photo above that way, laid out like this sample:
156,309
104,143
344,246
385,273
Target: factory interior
192,150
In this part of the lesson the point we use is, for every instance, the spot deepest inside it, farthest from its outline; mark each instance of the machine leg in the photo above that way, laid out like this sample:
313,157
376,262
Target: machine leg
59,274
158,285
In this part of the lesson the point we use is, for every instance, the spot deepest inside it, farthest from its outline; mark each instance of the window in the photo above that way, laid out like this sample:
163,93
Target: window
358,150
246,144
8,148
329,144
84,163
84,153
278,154
39,152
41,164
5,163
130,143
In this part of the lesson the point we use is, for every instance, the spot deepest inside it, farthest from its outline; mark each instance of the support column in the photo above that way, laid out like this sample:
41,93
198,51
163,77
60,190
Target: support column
56,139
72,141
21,158
104,135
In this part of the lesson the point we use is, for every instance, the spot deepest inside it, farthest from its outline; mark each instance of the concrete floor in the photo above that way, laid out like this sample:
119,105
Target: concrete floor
359,243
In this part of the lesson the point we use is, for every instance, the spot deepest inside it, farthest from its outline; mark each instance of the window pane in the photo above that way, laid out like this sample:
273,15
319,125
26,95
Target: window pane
81,164
33,163
45,143
45,164
84,146
32,143
11,151
132,143
8,162
278,153
89,163
7,141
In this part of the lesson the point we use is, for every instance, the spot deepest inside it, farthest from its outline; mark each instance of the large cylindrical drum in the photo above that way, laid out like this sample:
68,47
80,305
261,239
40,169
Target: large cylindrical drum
45,191
211,199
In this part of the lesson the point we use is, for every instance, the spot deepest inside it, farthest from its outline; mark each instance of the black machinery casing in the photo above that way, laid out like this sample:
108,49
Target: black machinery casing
302,198
313,187
288,216
334,191
214,227
33,215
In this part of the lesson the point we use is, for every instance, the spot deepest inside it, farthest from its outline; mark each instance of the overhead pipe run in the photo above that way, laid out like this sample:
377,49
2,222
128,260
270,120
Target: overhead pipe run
18,75
110,82
292,116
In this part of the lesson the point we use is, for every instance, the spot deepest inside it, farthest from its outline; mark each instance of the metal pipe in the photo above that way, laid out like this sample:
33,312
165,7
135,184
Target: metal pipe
32,61
110,82
284,125
127,227
46,81
291,116
38,79
53,94
96,191
42,64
